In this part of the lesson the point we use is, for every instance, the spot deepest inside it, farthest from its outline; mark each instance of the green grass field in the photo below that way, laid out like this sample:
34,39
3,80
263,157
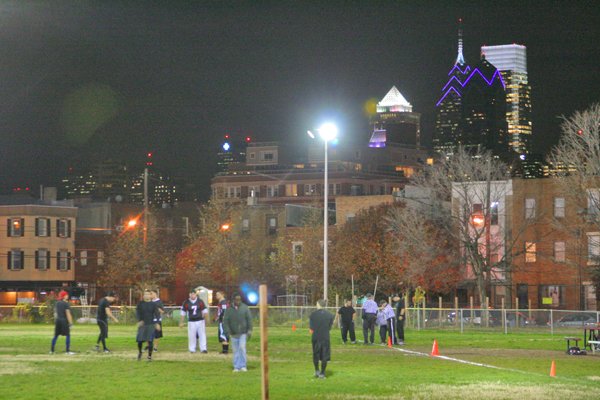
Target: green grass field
522,364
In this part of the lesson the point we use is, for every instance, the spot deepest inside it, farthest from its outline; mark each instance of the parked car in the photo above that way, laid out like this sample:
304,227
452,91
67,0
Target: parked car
524,320
577,320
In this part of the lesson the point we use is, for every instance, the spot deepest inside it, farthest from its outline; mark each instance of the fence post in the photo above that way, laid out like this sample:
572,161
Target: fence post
455,310
529,308
471,303
440,310
517,304
551,322
487,312
462,327
424,311
504,318
264,342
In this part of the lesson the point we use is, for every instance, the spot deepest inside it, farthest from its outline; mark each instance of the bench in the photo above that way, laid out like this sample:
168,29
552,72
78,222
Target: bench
594,345
570,339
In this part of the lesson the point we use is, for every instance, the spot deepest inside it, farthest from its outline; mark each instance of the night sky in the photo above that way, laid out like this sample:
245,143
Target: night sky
87,80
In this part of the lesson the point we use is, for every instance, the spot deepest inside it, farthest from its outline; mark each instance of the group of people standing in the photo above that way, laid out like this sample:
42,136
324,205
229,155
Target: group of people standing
389,318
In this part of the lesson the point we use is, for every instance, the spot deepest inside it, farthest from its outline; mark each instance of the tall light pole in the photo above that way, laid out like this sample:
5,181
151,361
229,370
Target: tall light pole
327,132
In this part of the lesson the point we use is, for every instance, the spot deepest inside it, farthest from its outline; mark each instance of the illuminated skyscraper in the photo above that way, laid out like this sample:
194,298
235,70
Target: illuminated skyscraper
511,61
395,122
471,108
232,152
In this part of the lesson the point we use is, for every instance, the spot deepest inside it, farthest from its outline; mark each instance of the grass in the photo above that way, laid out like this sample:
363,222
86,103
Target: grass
523,362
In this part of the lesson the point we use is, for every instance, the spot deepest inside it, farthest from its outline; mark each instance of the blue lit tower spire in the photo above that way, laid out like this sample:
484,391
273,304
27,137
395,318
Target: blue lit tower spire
460,59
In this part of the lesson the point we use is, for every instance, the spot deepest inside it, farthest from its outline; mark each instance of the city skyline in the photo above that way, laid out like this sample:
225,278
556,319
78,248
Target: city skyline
117,80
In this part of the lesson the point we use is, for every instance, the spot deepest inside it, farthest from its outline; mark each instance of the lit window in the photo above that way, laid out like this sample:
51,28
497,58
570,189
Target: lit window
494,213
42,227
245,225
593,201
529,208
530,252
291,190
559,207
559,251
273,191
16,227
15,259
310,189
272,225
297,248
100,257
42,259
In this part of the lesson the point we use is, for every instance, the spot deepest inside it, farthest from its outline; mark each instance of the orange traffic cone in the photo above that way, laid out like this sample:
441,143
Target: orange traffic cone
293,327
553,369
434,349
390,342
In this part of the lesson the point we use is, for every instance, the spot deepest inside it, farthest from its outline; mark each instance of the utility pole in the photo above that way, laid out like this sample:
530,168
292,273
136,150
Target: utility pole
145,206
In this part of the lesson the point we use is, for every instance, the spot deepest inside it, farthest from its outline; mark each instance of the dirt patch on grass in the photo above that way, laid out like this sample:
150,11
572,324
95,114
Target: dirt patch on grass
489,391
15,368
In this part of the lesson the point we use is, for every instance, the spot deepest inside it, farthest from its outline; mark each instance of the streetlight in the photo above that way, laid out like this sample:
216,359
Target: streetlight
327,132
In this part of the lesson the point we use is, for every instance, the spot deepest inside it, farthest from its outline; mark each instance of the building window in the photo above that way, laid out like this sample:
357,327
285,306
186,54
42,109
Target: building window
559,207
593,248
297,248
42,259
273,191
63,228
335,188
529,208
83,258
15,259
267,156
42,227
494,213
233,192
63,260
272,225
252,155
291,190
593,201
310,189
350,217
253,191
100,257
559,252
552,296
16,227
245,225
530,252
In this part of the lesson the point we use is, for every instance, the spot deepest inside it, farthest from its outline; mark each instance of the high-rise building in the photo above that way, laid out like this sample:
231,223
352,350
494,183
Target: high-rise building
471,109
511,61
395,122
232,151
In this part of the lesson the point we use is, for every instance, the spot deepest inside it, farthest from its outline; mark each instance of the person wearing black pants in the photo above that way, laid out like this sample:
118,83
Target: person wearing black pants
400,317
369,316
346,314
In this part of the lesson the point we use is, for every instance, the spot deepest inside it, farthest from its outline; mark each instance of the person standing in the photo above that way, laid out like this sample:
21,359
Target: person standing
369,316
161,310
63,320
381,322
346,314
221,308
102,316
321,321
197,315
400,317
390,320
237,325
146,313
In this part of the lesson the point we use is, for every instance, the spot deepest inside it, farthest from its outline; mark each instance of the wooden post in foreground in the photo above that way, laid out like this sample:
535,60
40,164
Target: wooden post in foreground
263,307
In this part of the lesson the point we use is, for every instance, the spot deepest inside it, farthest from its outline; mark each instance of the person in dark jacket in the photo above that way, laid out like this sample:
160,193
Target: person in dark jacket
63,320
147,312
321,322
237,325
102,316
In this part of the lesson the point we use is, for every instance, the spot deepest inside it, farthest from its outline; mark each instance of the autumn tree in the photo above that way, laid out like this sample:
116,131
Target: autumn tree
364,249
577,159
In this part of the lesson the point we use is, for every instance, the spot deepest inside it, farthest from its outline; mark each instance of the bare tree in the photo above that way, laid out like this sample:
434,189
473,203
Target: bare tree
466,203
577,160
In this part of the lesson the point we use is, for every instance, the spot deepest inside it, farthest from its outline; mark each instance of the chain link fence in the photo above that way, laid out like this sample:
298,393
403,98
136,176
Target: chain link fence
456,319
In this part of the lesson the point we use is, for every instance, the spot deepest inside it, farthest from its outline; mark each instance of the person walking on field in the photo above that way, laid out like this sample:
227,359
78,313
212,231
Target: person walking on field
102,316
197,315
63,320
321,322
369,316
146,313
237,326
400,317
221,308
381,322
346,314
161,309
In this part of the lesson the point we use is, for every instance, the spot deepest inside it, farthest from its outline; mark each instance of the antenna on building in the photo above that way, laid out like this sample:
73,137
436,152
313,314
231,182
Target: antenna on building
460,59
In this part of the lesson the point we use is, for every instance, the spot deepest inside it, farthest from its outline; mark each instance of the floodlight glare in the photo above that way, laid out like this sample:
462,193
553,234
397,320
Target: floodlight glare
328,131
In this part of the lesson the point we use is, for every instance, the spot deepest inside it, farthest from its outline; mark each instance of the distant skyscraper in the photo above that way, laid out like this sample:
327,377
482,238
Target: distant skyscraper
470,111
511,61
395,122
232,151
